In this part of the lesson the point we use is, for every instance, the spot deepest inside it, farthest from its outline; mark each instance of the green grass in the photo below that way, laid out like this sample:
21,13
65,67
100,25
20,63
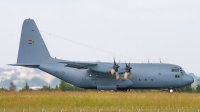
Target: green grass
93,101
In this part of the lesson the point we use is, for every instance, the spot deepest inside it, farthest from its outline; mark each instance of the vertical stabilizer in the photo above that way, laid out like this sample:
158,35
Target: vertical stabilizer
32,49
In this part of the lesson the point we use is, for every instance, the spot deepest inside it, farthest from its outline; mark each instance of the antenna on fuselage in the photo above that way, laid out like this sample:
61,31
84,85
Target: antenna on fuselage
160,61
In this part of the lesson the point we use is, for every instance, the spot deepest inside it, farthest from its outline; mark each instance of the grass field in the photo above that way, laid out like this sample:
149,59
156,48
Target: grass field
99,101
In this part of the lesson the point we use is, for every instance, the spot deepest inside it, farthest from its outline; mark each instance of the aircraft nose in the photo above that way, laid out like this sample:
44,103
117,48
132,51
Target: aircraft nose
189,79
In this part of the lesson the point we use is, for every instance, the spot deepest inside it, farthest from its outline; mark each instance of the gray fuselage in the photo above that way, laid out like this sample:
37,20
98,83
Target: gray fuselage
146,76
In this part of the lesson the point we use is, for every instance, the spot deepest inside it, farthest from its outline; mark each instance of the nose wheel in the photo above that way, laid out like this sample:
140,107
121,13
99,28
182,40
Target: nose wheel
171,90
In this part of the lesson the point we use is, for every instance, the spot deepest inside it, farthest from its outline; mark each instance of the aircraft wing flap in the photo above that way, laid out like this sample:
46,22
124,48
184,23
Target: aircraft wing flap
79,65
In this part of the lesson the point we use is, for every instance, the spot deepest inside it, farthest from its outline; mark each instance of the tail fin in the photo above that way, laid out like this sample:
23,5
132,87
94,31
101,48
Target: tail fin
32,49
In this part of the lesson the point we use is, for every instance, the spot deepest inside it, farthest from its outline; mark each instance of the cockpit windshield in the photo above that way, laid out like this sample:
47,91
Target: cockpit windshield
175,69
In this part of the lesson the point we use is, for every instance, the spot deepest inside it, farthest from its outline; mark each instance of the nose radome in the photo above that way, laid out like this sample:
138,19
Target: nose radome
190,79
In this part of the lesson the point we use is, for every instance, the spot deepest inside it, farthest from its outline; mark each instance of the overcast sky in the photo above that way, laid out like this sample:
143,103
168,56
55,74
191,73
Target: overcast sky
140,29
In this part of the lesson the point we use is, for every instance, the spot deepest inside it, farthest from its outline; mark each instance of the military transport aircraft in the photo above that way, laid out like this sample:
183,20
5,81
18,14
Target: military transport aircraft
33,53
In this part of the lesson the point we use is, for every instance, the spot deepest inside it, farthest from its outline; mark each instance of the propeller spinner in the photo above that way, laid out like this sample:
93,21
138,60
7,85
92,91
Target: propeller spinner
115,70
128,71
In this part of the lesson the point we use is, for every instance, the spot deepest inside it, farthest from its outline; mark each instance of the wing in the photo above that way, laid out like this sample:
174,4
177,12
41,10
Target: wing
106,67
95,66
79,65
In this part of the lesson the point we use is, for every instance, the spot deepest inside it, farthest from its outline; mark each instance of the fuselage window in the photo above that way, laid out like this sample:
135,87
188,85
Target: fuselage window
151,79
145,79
139,79
177,76
175,69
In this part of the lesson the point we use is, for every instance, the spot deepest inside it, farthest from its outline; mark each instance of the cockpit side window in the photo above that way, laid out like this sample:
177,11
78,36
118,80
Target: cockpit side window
175,69
181,71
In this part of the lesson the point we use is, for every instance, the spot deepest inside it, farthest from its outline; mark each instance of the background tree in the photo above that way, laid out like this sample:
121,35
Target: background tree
46,88
65,86
12,86
57,88
187,88
198,88
26,87
3,89
68,87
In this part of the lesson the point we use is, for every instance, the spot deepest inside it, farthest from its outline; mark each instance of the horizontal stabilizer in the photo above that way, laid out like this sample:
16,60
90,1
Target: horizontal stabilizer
25,65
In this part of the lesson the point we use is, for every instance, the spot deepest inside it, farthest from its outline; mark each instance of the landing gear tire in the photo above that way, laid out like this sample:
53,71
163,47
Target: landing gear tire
171,90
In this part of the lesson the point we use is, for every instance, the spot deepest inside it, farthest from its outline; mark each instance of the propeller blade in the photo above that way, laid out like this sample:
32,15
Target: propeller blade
114,61
125,75
115,67
112,71
117,75
131,75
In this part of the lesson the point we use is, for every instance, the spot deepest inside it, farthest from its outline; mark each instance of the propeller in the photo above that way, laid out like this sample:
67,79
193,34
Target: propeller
128,71
115,70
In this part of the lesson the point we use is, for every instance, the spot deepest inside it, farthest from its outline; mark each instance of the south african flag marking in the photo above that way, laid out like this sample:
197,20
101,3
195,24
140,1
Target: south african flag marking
30,41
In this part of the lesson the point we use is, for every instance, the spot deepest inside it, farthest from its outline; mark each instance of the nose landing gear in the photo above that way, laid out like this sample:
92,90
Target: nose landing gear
171,90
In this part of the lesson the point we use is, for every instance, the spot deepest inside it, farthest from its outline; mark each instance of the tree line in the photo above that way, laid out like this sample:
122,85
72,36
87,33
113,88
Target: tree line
64,86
